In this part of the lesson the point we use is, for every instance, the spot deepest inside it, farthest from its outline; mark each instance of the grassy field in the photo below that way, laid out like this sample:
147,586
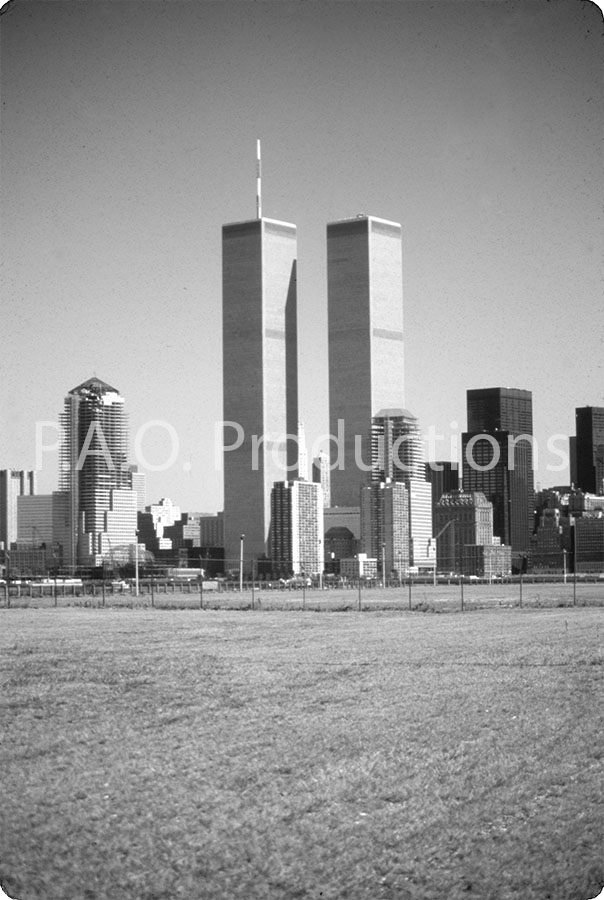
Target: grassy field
158,754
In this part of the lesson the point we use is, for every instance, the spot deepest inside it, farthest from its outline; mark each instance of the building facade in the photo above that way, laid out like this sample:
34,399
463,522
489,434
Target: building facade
322,475
397,450
35,519
95,476
260,380
443,476
462,518
589,449
365,337
14,483
498,460
297,528
385,526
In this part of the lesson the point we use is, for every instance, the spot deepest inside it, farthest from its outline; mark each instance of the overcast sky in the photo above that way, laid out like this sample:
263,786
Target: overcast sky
128,138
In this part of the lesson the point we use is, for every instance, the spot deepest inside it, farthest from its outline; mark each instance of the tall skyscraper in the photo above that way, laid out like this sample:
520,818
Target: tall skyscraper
13,483
498,459
397,453
365,319
95,476
397,449
297,528
589,448
260,379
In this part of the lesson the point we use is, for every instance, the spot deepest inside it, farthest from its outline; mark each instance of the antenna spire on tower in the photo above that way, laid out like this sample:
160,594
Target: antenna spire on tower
258,181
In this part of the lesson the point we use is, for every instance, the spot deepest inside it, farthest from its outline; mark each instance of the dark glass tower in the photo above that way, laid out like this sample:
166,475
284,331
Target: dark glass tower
589,448
498,459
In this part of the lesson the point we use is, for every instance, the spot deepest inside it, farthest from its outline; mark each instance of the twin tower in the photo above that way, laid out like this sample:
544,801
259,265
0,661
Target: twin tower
260,360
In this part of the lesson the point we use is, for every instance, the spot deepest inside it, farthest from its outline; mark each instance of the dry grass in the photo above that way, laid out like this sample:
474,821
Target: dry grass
166,754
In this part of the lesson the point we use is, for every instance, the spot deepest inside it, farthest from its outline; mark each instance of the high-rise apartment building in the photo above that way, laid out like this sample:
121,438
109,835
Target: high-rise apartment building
259,376
385,526
589,449
365,322
297,528
498,459
95,476
13,483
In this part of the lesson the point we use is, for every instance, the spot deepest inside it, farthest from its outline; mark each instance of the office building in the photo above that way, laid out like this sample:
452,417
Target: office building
487,560
95,477
297,528
365,338
397,454
211,530
35,519
138,483
422,553
397,450
359,566
302,454
322,475
385,526
551,544
443,476
588,550
259,377
589,449
14,483
462,518
498,460
572,458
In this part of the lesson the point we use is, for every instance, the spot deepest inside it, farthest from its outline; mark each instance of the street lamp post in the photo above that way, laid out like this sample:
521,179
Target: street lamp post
241,563
253,582
564,564
573,525
320,564
136,565
7,577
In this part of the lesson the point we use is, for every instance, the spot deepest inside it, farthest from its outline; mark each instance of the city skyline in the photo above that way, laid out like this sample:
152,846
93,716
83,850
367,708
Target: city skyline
477,126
